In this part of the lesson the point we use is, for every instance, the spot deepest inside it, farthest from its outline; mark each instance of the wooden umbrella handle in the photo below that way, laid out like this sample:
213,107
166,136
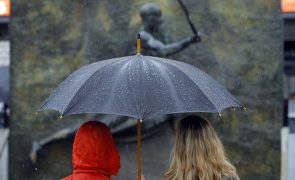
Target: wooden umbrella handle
138,123
138,148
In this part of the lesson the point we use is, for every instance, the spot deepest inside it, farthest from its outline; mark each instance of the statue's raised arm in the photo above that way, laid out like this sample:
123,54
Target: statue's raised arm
157,48
151,43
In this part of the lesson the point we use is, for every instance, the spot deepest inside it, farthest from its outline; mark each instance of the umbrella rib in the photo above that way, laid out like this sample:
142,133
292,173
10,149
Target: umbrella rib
172,87
70,106
108,113
141,88
216,83
199,87
213,90
53,94
115,81
138,108
141,99
181,70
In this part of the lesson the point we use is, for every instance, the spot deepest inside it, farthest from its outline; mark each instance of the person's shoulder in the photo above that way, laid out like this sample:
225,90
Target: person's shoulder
68,178
228,178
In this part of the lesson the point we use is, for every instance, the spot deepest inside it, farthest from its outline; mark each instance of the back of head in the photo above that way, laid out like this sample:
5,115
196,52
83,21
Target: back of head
151,16
150,8
198,152
94,150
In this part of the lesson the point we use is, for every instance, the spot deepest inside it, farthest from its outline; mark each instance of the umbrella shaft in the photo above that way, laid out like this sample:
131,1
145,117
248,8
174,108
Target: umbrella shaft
138,148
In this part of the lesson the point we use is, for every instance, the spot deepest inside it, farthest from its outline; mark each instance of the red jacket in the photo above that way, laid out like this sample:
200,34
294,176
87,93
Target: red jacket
95,156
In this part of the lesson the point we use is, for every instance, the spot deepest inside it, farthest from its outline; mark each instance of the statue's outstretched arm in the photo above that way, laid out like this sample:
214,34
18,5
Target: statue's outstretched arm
168,49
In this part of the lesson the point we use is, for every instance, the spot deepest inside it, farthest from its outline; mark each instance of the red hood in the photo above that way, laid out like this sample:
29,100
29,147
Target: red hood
94,150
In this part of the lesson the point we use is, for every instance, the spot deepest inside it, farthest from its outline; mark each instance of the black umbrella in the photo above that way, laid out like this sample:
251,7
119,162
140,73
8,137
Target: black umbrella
143,87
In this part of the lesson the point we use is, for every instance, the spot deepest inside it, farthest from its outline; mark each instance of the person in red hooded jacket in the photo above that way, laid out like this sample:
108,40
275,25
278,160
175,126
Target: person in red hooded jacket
95,155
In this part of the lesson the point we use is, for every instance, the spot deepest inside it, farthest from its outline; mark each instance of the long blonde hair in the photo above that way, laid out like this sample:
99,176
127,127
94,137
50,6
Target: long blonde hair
198,154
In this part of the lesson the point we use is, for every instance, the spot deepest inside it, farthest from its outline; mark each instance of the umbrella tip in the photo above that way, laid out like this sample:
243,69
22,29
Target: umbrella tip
138,44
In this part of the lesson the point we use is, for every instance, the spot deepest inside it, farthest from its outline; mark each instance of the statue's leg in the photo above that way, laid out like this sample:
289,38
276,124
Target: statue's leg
60,135
123,130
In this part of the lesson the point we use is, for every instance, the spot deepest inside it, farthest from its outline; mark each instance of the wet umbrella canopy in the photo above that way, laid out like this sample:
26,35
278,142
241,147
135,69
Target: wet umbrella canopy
143,87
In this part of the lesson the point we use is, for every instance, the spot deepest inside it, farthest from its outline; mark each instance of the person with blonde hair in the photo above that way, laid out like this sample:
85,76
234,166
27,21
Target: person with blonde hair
198,153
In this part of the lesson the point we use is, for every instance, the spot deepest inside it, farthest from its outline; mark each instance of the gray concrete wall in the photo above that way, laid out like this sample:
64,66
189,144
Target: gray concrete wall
241,49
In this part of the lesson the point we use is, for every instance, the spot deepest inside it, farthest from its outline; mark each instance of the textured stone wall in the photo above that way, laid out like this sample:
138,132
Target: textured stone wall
241,48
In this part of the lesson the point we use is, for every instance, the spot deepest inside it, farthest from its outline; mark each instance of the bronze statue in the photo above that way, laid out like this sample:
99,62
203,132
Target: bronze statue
153,43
